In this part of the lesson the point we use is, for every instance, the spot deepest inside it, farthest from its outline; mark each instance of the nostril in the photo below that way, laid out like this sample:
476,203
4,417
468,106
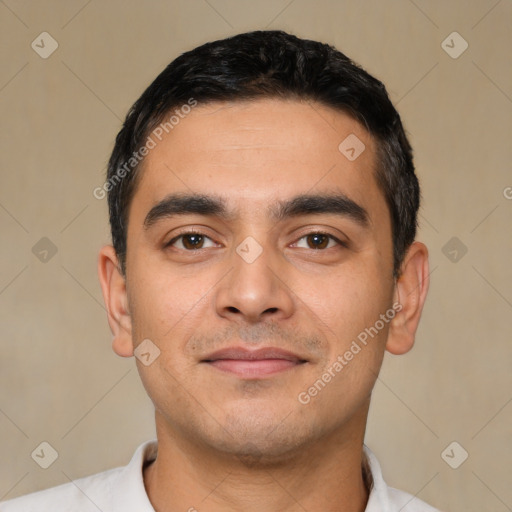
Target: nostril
232,309
270,310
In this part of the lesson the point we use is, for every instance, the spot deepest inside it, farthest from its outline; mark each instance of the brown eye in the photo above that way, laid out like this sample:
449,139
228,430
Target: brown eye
317,241
191,242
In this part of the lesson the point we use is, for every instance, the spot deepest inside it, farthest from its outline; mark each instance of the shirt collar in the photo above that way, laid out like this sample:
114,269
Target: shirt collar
378,501
128,491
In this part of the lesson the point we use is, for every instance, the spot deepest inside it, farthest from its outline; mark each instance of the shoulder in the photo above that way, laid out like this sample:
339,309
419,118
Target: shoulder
82,495
406,502
116,490
383,497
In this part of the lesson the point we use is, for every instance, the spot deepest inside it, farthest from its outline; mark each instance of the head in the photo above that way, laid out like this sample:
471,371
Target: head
262,194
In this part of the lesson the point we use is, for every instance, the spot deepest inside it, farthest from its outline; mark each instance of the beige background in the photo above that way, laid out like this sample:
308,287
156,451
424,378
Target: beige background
59,380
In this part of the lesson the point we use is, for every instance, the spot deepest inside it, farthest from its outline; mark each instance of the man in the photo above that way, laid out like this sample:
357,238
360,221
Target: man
263,209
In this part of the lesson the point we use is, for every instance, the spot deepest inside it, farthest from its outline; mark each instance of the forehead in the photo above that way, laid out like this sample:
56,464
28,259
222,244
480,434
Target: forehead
255,152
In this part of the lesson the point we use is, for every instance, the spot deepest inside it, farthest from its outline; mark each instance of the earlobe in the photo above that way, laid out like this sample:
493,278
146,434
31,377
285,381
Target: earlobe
410,292
113,286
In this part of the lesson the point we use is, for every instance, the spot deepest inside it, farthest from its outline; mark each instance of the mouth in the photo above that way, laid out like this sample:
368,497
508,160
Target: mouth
253,363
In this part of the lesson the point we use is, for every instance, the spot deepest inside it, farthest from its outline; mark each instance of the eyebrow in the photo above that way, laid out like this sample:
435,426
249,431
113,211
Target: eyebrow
215,206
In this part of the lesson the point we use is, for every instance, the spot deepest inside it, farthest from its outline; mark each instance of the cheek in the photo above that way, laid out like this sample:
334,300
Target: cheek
350,308
164,303
164,386
350,299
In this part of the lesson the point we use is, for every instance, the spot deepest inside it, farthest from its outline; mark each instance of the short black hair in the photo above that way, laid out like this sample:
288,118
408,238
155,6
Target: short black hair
268,64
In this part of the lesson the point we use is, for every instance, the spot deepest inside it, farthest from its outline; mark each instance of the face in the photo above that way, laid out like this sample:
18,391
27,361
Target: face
267,257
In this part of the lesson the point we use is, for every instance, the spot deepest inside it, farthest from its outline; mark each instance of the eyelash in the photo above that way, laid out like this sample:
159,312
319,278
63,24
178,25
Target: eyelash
193,232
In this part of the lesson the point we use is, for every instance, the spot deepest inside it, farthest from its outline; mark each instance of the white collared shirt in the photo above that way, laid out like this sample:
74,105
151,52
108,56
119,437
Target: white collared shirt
122,490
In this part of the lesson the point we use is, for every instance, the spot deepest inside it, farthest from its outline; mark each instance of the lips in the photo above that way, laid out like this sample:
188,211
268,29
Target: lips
253,363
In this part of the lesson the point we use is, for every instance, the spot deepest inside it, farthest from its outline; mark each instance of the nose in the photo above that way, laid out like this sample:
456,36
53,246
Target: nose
254,290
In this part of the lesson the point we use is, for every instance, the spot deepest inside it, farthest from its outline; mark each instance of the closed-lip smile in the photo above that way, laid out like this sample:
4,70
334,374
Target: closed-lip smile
253,363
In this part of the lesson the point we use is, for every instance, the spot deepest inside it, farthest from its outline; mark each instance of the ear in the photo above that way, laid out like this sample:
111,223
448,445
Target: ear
410,292
113,286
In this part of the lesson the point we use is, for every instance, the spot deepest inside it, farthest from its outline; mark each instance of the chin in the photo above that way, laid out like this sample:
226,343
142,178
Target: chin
263,453
261,440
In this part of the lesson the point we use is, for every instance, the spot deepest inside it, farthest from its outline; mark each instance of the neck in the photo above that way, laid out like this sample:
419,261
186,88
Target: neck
326,475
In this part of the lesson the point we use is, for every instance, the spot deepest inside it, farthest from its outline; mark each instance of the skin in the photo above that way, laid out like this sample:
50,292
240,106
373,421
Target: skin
237,443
